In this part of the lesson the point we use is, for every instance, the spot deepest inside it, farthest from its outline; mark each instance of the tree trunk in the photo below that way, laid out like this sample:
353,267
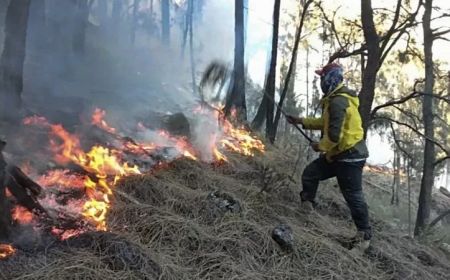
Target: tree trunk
13,58
37,26
116,19
238,92
81,17
135,21
191,45
287,82
408,174
397,180
102,11
165,14
447,165
116,11
259,118
5,211
271,77
426,186
369,75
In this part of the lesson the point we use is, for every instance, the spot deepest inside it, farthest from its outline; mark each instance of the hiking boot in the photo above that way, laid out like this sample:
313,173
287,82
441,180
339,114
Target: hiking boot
359,243
306,207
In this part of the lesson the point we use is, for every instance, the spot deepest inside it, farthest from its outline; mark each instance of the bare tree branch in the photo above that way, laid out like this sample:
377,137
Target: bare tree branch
404,99
414,130
441,160
393,25
331,23
410,115
401,30
441,33
397,142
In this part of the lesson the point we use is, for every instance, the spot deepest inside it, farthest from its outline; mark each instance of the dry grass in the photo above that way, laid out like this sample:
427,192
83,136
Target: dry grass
172,222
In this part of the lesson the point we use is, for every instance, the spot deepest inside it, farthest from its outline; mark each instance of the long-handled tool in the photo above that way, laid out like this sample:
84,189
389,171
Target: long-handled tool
310,140
218,71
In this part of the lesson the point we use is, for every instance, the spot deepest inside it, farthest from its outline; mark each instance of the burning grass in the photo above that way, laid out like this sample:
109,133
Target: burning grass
168,218
184,218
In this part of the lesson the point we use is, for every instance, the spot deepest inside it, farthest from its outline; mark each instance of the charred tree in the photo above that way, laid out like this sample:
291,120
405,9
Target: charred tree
5,211
13,57
116,11
396,182
426,185
271,76
116,18
102,11
291,69
37,25
81,16
165,14
135,21
236,98
191,44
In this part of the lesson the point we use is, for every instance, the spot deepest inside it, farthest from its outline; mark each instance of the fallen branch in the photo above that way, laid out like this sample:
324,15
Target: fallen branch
128,197
376,186
440,217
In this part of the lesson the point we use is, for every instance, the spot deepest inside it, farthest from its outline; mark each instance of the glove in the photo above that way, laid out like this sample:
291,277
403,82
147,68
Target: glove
294,120
315,146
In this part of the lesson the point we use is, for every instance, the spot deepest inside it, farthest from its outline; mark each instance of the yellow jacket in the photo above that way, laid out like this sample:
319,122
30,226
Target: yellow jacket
341,126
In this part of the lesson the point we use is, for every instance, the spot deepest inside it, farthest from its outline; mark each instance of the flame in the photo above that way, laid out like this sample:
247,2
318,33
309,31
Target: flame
6,251
235,139
137,148
66,234
181,144
104,166
35,120
218,156
98,120
240,141
62,178
22,215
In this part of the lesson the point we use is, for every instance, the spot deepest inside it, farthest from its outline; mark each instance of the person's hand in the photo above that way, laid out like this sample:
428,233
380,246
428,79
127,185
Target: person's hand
315,146
294,120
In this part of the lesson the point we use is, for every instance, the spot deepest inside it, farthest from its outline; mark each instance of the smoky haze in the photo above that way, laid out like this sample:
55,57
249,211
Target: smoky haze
127,79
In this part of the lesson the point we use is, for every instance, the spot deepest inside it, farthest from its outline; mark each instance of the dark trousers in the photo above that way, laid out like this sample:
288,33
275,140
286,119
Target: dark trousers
349,177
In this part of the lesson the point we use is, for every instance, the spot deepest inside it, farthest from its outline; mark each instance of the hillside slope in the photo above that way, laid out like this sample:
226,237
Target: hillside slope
193,220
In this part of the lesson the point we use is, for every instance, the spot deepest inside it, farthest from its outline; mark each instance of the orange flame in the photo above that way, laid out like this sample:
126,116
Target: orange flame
240,141
100,161
98,120
22,215
181,144
62,178
106,166
6,251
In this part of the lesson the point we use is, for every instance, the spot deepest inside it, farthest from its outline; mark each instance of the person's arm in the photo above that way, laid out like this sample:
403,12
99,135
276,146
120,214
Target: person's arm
312,123
337,112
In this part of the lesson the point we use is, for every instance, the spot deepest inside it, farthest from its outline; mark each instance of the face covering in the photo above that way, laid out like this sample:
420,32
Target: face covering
331,80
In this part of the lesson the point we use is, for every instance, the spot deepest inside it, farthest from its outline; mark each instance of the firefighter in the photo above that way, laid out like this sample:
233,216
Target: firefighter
342,149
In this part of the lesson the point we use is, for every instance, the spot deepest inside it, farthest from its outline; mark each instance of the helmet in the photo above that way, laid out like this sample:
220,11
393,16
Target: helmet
327,68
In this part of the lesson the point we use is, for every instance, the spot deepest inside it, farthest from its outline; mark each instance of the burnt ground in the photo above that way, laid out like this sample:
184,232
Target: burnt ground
194,220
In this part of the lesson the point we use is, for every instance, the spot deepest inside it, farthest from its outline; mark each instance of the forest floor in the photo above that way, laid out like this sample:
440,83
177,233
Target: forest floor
194,220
